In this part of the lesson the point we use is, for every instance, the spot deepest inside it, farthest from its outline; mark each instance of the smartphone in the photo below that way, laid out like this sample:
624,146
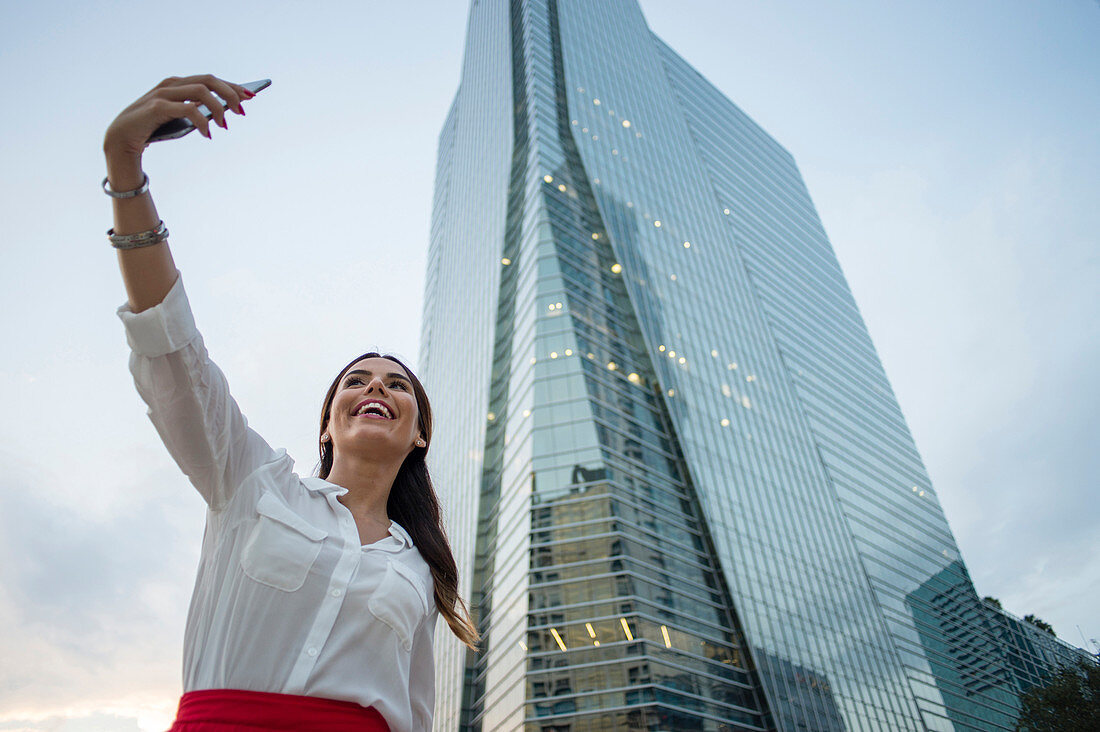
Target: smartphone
180,127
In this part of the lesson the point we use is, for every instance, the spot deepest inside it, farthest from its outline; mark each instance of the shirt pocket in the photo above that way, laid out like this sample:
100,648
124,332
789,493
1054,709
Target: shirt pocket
399,601
281,547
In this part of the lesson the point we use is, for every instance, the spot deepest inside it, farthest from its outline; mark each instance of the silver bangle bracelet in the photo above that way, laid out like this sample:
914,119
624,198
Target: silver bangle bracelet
127,194
140,239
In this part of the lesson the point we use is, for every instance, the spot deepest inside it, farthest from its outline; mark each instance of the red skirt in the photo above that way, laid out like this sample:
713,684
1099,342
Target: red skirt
230,710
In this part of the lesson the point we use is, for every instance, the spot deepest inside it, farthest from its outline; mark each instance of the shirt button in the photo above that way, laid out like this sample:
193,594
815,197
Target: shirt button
311,651
337,593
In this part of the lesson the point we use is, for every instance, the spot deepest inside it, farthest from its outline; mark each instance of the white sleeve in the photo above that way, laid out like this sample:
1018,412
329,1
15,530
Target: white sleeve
422,674
189,401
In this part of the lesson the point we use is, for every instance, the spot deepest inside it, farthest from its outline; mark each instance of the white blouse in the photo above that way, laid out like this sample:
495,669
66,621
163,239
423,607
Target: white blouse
286,600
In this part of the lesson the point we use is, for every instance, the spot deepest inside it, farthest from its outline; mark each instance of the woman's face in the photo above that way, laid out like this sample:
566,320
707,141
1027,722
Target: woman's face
374,412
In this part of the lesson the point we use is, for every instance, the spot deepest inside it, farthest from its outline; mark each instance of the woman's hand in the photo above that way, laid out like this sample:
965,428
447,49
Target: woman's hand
172,98
149,272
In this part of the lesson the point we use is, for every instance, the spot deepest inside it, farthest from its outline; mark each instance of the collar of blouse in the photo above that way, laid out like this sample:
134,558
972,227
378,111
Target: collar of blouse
325,488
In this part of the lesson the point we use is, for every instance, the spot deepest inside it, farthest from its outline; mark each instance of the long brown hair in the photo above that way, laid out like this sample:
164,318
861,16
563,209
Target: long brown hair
414,504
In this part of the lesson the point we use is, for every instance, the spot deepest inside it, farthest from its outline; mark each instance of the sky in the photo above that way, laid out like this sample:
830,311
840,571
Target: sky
952,150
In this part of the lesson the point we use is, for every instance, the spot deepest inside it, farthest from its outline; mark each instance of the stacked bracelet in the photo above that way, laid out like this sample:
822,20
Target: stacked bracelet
140,239
127,194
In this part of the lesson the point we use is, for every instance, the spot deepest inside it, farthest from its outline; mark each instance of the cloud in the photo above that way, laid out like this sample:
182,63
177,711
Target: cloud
93,607
94,722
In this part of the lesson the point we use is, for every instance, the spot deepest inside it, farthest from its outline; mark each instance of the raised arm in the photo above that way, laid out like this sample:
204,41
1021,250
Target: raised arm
149,272
187,395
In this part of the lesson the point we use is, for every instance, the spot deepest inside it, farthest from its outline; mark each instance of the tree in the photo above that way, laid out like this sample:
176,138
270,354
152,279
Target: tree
1040,624
1068,702
993,601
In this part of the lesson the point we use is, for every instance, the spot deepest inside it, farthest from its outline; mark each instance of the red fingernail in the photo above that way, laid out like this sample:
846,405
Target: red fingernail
241,109
224,124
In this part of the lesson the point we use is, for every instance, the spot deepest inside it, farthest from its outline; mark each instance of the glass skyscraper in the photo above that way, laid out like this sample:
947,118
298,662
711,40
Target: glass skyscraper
680,490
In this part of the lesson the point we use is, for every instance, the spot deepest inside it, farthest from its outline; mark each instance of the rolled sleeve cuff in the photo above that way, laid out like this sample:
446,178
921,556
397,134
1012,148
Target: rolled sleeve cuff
163,328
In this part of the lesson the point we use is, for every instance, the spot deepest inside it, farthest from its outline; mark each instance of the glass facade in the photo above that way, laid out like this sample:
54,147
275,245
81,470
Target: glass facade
680,490
1033,654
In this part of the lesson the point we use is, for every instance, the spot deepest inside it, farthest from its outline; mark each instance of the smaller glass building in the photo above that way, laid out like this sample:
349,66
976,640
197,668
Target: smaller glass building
1033,653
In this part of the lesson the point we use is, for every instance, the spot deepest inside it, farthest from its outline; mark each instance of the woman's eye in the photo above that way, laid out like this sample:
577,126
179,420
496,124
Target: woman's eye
398,385
353,381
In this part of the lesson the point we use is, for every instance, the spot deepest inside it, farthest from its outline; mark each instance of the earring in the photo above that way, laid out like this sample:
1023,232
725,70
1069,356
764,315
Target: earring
325,437
421,443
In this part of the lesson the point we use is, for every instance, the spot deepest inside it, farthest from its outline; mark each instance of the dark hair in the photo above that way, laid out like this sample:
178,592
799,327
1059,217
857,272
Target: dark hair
414,504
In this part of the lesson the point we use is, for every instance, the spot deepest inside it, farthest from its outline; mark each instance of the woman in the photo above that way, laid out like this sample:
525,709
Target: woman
316,598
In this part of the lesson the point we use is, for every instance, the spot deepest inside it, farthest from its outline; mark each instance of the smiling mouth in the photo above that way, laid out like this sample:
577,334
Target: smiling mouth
374,410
